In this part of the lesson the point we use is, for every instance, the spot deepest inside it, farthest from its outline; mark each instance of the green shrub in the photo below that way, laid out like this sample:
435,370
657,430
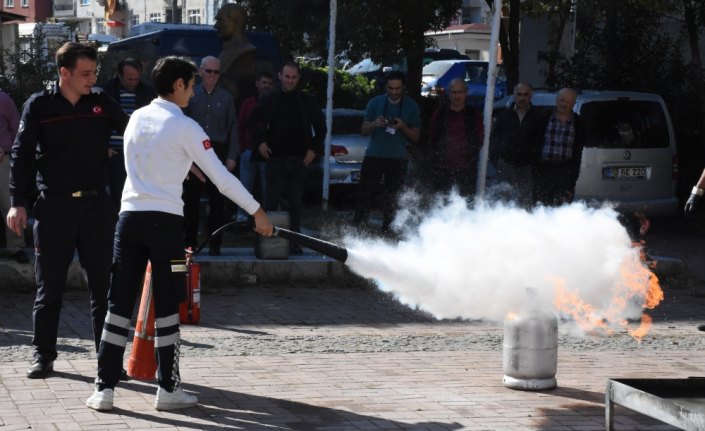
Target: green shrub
350,91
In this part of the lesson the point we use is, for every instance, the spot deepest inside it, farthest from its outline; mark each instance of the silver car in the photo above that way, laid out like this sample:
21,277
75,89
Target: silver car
347,150
347,146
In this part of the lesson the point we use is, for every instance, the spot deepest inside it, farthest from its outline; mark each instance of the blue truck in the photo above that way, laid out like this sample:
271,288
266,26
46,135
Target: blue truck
194,41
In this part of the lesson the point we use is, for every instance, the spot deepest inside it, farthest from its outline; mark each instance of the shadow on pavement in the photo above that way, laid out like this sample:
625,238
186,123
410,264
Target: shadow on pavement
218,409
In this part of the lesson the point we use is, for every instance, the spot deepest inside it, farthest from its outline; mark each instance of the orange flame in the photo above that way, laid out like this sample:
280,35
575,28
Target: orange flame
636,282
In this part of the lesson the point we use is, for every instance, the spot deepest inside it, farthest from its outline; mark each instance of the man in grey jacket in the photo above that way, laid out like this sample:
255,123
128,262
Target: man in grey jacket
214,110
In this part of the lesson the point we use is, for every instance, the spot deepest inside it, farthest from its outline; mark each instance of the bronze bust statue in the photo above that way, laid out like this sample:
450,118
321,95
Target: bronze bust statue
237,59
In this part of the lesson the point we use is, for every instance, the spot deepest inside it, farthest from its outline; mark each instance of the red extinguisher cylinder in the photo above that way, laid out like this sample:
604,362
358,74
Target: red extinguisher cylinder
190,309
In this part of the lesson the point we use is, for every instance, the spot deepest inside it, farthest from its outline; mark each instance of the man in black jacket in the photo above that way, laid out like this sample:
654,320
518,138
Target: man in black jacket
131,93
287,129
64,133
513,142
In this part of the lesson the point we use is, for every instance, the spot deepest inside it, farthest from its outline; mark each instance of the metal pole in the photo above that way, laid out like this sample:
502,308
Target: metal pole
329,102
489,98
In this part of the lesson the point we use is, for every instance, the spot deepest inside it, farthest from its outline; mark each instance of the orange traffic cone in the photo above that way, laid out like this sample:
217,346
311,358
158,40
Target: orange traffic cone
142,364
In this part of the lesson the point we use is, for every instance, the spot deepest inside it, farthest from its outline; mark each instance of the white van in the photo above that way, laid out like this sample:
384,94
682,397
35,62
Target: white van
630,156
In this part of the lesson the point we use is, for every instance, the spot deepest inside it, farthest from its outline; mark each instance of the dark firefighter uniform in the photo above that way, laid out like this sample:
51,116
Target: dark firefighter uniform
68,147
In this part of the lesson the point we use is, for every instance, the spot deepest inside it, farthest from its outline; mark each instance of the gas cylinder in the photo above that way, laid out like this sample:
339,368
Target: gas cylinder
530,350
190,309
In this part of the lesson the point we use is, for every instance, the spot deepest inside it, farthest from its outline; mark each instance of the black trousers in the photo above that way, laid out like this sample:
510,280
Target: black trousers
554,183
143,236
193,189
286,176
379,176
64,225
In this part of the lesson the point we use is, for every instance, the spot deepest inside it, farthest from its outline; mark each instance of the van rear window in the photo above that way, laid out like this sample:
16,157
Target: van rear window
625,124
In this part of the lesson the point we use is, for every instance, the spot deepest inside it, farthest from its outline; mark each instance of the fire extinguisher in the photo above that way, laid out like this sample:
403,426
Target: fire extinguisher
190,309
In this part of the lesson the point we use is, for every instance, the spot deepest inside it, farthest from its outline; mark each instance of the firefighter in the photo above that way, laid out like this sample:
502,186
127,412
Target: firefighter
64,133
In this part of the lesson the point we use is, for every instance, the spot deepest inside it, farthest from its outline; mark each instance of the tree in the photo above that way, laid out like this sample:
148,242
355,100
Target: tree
26,71
509,38
557,14
693,22
384,30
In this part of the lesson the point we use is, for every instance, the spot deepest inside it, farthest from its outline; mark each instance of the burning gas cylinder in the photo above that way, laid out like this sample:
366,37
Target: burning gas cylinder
530,350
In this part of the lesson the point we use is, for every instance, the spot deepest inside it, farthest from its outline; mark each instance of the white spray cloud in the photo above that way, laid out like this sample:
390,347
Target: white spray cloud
485,262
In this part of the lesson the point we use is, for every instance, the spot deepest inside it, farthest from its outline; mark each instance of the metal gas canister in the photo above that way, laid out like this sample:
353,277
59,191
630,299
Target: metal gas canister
530,350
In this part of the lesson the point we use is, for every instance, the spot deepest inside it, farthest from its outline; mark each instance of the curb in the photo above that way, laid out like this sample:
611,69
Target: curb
234,266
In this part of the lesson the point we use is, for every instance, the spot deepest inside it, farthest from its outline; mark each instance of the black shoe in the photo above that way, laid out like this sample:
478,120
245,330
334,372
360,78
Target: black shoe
39,370
20,256
295,249
123,376
214,251
701,327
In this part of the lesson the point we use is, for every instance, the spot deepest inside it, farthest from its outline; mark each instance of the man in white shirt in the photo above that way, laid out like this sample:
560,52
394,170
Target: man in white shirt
161,144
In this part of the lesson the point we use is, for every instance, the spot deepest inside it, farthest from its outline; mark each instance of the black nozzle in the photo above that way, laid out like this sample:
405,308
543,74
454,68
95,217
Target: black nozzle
331,250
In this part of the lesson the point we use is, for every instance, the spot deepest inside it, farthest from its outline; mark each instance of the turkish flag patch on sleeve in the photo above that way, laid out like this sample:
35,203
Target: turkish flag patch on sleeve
207,144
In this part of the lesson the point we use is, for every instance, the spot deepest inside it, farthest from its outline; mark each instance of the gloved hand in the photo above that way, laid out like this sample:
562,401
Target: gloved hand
693,204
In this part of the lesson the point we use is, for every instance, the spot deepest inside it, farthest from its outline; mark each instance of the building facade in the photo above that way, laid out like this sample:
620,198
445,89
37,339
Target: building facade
93,19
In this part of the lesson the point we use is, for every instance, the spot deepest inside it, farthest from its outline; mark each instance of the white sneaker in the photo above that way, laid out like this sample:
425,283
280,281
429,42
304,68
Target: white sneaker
101,400
173,400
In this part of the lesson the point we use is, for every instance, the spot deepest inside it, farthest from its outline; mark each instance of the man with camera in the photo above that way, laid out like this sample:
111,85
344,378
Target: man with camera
392,121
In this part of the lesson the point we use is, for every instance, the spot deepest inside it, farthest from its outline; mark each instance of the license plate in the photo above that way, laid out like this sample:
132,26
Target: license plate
355,176
626,173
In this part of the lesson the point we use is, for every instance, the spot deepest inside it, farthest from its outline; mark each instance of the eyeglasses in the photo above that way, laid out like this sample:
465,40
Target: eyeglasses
213,71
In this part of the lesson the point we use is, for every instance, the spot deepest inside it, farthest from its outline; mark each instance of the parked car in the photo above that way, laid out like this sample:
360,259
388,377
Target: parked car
630,156
375,71
436,77
347,149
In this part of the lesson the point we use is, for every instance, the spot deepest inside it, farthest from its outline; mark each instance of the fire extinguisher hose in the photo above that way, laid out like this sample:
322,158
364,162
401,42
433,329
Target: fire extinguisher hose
238,226
329,249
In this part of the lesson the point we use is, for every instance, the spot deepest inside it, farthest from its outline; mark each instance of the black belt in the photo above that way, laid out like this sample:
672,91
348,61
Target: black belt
78,194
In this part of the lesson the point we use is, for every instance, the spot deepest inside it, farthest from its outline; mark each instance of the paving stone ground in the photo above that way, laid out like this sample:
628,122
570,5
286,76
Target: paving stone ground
331,356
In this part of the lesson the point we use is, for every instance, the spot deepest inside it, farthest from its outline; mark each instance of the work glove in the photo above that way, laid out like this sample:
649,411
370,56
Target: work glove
693,205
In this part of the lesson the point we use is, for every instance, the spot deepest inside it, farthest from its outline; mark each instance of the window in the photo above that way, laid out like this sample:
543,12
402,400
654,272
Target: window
134,20
100,26
25,3
9,3
85,2
155,17
170,17
194,16
625,124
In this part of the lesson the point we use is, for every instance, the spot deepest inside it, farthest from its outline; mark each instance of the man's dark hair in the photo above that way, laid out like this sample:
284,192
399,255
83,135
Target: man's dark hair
170,69
264,74
395,75
70,52
291,64
129,61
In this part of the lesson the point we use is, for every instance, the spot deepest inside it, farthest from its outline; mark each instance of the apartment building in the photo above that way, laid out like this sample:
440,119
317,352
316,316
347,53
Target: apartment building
90,20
